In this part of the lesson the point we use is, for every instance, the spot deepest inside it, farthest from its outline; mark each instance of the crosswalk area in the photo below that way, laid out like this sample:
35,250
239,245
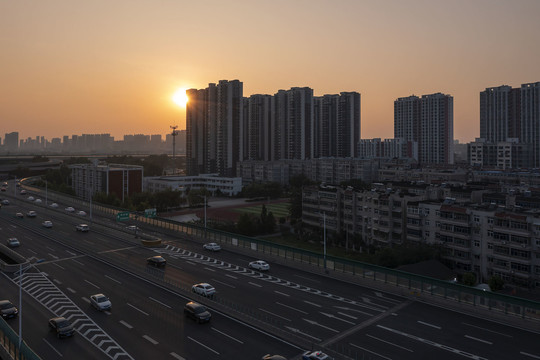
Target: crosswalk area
44,291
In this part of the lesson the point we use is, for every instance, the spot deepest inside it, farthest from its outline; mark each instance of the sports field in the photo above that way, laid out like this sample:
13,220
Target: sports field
278,209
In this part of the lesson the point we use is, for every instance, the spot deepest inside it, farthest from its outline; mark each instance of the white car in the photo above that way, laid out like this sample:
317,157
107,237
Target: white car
38,201
203,289
100,302
212,247
81,213
31,213
82,227
70,209
5,202
54,205
315,355
259,265
132,228
47,224
23,192
13,242
30,198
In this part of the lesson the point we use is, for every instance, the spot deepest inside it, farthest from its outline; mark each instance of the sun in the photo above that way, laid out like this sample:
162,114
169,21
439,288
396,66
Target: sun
180,97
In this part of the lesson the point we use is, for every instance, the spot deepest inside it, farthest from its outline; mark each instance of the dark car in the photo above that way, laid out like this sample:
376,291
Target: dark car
197,312
156,261
7,309
62,327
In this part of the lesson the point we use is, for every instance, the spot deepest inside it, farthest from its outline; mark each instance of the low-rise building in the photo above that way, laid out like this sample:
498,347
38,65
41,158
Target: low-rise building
211,182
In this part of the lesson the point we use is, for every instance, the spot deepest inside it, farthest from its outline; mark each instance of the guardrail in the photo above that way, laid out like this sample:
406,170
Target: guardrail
9,345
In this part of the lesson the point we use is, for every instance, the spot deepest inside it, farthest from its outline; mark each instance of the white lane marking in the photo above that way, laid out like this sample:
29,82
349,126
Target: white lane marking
110,278
176,356
86,299
57,281
432,343
159,302
428,324
195,341
139,310
192,263
227,335
207,268
94,285
477,339
257,285
337,318
347,315
271,313
50,248
529,355
310,303
52,347
63,268
224,283
32,251
71,290
78,262
53,256
126,324
306,278
389,343
107,312
321,325
297,331
71,253
150,339
280,293
292,308
231,276
369,351
491,331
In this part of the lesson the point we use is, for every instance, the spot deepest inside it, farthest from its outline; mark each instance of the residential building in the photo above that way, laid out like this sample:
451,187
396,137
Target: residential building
211,182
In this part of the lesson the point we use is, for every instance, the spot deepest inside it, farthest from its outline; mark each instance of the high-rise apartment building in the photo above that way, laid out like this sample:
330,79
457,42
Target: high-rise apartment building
336,125
11,141
428,121
500,113
214,128
258,125
530,119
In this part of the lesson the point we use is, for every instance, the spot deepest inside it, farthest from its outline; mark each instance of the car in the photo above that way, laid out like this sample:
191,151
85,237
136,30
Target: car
70,209
30,198
212,247
315,355
54,205
82,228
273,357
156,261
62,326
23,192
38,201
31,213
259,265
47,224
197,312
100,302
3,188
203,289
13,242
8,310
5,202
132,228
81,213
19,215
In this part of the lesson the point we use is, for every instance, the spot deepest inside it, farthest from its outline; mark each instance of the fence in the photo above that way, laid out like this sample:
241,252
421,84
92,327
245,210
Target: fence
9,345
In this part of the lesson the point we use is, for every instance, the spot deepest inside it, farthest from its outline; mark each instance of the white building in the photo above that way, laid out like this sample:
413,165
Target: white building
211,182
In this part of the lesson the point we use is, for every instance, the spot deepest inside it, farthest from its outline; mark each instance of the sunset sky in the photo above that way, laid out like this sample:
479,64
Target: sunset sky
111,66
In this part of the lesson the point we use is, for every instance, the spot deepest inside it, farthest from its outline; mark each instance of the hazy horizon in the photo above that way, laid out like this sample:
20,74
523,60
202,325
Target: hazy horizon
112,67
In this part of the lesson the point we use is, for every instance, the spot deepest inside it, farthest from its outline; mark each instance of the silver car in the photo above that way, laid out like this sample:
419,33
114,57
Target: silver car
100,302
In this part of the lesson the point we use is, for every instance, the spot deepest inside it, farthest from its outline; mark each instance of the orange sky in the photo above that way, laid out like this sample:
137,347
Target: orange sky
72,67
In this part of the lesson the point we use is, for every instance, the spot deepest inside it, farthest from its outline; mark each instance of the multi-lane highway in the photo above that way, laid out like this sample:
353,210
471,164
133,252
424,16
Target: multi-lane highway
282,312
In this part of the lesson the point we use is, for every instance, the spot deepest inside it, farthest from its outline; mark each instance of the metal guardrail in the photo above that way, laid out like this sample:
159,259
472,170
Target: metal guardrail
9,343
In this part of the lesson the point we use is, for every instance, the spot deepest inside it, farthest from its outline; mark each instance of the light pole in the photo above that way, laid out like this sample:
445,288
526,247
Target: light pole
46,193
324,240
205,216
20,306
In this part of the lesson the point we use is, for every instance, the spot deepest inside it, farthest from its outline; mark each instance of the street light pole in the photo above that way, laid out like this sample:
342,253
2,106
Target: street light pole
20,305
324,241
205,216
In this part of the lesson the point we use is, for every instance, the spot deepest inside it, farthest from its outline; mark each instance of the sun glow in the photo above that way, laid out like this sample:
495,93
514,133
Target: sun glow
180,97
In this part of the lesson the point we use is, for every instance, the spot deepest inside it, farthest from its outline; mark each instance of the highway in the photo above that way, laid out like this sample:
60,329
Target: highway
253,313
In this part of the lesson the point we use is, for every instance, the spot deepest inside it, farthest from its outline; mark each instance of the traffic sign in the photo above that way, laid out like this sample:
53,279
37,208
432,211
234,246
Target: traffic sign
150,213
122,216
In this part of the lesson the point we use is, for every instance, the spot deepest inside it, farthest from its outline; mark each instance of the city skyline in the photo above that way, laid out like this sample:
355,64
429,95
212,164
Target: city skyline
113,68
